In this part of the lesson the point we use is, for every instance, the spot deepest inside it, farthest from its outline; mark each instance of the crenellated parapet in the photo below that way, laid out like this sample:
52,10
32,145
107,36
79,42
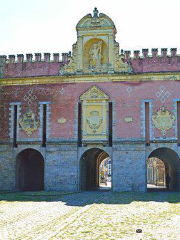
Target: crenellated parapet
37,64
153,61
43,65
154,53
37,57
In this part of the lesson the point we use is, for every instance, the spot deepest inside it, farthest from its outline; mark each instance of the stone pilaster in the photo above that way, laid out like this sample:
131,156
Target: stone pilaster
150,101
111,54
80,52
48,112
11,119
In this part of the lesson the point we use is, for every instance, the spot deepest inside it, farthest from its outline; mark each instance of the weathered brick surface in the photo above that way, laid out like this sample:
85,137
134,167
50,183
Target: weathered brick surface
161,63
31,69
156,64
64,99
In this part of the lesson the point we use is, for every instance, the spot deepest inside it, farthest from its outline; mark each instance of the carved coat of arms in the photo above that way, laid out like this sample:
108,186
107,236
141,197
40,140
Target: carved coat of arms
163,120
29,123
94,121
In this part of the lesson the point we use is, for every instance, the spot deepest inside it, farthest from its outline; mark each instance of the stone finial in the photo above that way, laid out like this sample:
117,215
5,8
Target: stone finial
164,52
136,53
37,57
154,52
95,11
173,52
47,57
145,52
56,57
20,58
11,58
29,57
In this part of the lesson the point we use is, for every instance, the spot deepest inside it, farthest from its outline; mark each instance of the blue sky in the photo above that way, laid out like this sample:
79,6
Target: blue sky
31,26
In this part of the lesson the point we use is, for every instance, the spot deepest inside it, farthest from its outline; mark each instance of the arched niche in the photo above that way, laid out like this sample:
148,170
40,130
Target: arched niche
92,46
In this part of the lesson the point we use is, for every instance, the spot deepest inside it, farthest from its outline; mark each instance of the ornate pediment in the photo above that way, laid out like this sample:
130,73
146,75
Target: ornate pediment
96,50
94,93
89,21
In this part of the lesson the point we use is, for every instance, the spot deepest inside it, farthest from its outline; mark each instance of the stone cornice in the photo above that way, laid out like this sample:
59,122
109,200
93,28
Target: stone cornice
95,78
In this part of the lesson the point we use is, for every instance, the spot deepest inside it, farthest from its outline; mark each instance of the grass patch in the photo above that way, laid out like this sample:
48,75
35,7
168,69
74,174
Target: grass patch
32,196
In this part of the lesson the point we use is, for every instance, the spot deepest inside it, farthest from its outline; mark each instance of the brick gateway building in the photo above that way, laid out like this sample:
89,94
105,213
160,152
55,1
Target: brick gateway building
60,119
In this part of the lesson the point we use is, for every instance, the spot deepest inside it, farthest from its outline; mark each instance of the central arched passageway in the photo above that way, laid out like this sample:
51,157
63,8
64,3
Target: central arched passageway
161,163
95,169
29,170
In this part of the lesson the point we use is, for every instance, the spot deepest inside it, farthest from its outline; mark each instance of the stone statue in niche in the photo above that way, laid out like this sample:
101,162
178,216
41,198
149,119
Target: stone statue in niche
95,55
94,121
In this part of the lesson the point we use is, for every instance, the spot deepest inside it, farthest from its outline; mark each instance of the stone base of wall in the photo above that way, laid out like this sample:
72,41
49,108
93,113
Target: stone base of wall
61,168
129,167
62,163
7,168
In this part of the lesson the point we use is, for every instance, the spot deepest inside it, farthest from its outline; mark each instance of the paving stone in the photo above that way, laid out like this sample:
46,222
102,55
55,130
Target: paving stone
90,215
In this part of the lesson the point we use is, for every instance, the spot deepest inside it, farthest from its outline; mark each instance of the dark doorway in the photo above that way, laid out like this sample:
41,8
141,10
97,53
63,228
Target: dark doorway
90,175
161,162
30,171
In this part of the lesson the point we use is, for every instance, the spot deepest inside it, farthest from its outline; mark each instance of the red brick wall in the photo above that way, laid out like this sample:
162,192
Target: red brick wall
31,69
64,98
156,64
139,65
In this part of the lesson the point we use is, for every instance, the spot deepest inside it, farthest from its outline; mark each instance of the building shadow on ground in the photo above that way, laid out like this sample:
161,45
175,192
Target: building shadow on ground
94,196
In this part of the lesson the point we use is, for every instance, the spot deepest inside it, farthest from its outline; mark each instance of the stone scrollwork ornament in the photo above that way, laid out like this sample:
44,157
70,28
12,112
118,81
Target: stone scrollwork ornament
94,121
163,120
29,123
122,66
68,68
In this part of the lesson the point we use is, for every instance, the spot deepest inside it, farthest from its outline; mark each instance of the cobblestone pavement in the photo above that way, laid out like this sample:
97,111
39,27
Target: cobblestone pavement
90,215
